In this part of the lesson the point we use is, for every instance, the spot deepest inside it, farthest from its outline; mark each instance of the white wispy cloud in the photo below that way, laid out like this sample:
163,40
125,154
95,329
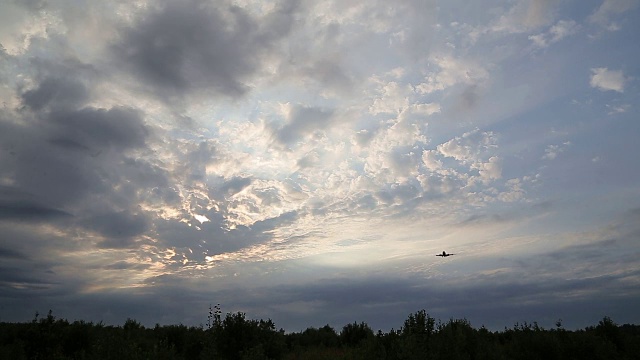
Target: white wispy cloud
618,109
552,151
555,33
526,15
609,9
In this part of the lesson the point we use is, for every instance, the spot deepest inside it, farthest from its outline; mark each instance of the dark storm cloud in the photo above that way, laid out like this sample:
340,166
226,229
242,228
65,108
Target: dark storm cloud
214,237
72,169
11,254
384,303
40,172
118,243
61,81
28,256
35,241
16,204
243,236
169,304
69,144
59,92
119,127
22,210
176,48
119,228
60,157
61,150
15,275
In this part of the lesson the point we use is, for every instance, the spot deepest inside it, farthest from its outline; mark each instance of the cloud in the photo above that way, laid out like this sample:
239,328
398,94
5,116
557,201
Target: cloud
18,25
514,191
557,32
451,72
605,79
618,109
124,265
526,15
235,185
92,128
118,228
301,121
64,156
394,98
468,147
176,49
22,210
469,98
552,151
327,75
155,156
60,92
495,290
431,161
610,9
12,254
490,170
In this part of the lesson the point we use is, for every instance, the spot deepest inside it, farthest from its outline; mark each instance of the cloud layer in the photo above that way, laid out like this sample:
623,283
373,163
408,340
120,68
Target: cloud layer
304,161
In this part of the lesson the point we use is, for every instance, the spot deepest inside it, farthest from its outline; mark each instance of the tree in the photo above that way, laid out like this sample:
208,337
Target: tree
416,335
237,337
353,334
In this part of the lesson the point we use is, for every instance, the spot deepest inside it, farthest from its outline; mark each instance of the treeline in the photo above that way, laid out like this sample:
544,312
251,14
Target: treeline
236,337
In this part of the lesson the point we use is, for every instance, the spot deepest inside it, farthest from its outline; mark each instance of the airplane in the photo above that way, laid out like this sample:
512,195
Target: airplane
444,254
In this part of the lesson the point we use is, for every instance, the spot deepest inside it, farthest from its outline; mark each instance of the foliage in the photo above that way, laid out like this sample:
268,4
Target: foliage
236,337
354,334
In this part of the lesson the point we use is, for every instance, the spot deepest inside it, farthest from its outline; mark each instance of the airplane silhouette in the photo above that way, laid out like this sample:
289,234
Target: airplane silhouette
444,254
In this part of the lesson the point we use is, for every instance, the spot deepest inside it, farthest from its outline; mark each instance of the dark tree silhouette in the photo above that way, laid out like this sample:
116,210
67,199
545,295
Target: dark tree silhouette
236,337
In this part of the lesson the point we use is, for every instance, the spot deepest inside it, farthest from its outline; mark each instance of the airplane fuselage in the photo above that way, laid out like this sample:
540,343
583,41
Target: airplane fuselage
444,254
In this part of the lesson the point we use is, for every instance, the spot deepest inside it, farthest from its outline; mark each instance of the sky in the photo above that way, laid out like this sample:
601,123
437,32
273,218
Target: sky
305,161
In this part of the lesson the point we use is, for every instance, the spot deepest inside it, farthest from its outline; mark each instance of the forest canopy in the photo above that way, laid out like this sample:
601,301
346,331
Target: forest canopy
234,336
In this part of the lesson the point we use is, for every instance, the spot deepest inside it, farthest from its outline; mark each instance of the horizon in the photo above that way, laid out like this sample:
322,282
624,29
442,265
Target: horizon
558,324
306,161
